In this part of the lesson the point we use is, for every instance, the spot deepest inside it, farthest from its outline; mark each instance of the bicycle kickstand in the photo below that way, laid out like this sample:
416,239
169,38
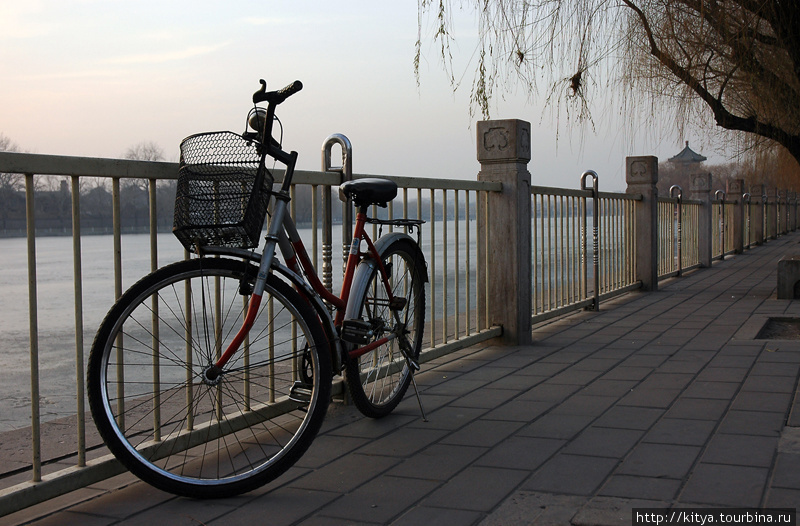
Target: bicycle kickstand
413,367
419,400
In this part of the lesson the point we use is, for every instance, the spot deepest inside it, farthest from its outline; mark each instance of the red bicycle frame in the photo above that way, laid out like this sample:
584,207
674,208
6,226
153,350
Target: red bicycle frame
300,260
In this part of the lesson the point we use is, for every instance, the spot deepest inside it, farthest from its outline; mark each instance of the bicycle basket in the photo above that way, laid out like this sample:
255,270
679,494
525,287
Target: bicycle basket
223,192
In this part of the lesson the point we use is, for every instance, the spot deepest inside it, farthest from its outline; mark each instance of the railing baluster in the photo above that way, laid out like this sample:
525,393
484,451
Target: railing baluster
33,309
117,226
457,265
468,266
444,266
78,291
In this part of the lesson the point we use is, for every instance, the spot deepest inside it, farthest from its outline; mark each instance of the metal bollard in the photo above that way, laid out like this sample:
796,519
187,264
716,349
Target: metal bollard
346,171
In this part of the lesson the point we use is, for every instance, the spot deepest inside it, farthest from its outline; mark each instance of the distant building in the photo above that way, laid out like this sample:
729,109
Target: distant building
679,169
687,157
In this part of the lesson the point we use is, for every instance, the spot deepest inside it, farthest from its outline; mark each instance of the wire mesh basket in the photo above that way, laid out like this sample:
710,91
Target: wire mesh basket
223,192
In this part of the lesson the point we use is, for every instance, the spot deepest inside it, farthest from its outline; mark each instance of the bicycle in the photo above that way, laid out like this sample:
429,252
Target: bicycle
211,376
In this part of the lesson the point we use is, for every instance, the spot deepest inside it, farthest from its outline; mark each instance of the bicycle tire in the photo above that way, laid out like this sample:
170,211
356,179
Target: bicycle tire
178,431
378,380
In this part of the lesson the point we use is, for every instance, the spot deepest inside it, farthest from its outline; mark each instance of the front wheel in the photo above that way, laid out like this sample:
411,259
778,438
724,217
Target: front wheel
195,431
378,379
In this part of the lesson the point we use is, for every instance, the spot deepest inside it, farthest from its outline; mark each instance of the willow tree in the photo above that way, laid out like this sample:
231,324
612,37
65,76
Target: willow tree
735,63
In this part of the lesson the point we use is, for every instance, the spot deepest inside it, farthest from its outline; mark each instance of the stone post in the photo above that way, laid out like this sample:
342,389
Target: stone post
736,192
504,150
757,193
641,174
701,191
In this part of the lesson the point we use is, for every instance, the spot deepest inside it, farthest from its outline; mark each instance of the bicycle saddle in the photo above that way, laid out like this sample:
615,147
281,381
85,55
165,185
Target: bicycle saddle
370,191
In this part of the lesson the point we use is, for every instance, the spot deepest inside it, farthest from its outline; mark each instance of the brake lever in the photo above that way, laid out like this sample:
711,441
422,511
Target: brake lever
262,90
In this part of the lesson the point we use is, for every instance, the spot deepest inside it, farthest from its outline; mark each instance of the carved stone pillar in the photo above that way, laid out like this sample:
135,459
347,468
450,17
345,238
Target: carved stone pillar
504,150
641,174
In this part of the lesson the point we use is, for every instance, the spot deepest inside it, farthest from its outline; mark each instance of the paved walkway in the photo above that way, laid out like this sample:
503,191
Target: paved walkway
662,399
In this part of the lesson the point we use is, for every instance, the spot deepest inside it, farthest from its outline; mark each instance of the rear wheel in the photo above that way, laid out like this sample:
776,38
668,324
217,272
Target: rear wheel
378,379
182,426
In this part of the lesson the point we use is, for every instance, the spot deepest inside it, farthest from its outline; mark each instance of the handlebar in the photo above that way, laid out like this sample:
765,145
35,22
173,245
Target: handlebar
276,97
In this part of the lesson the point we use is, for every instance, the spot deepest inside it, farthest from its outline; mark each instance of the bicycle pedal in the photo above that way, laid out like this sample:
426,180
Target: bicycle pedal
300,392
357,331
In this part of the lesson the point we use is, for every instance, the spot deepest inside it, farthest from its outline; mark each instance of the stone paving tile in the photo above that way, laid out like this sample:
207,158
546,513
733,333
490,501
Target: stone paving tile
520,452
723,374
659,380
722,485
346,473
487,398
770,402
403,442
556,426
327,448
438,462
430,515
571,475
456,387
187,512
613,388
587,405
680,431
604,442
718,390
627,373
641,487
698,408
462,492
627,417
660,461
482,433
783,498
741,450
70,517
549,392
787,471
657,398
283,506
449,417
379,501
770,384
517,382
752,423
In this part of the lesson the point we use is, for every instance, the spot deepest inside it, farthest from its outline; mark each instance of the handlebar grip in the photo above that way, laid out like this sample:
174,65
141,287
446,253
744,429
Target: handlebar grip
290,90
276,97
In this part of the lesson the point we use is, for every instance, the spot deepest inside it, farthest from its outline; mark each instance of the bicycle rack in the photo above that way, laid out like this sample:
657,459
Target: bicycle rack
346,171
679,217
595,235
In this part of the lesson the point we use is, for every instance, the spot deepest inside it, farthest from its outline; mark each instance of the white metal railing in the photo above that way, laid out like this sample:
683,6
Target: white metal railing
575,264
449,241
678,235
722,227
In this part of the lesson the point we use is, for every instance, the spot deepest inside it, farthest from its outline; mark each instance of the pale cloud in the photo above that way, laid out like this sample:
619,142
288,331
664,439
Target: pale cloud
270,21
165,56
19,20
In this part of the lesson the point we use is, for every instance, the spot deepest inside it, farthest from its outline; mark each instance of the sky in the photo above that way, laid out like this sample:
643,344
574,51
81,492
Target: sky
96,77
